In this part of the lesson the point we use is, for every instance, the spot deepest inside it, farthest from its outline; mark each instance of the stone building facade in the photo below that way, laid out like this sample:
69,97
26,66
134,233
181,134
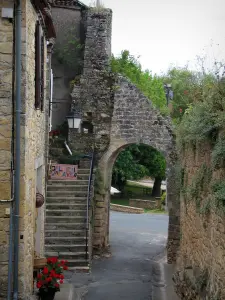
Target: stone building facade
116,114
36,25
200,270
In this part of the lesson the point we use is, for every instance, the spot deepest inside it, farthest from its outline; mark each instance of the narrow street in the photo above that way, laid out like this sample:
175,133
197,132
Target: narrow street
128,274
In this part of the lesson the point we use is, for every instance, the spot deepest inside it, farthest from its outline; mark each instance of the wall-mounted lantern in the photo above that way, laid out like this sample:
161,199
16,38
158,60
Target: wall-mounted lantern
169,92
74,119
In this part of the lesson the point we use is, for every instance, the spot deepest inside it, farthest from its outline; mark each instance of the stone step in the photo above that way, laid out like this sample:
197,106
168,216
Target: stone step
68,255
65,248
67,200
65,219
85,164
65,226
67,188
68,182
65,212
80,269
65,240
79,206
84,176
64,233
77,262
82,171
66,194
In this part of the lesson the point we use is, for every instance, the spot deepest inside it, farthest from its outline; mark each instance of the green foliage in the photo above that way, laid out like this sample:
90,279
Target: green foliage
218,188
197,189
163,198
207,117
68,52
136,162
151,86
218,154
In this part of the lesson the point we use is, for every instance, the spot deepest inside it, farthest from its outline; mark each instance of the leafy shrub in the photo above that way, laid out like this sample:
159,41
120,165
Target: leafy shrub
206,118
150,85
163,198
218,154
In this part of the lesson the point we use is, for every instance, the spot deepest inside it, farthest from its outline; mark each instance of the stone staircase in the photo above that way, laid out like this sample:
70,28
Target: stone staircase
65,220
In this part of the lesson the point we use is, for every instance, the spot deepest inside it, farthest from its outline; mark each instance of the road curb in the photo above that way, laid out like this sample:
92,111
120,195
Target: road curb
163,288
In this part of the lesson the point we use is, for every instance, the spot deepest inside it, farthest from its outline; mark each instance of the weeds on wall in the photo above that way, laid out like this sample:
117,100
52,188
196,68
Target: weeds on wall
218,188
218,154
196,190
206,119
69,51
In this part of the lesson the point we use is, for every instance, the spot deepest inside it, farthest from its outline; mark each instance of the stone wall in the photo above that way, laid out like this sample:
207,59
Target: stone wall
149,204
33,151
126,209
120,115
200,265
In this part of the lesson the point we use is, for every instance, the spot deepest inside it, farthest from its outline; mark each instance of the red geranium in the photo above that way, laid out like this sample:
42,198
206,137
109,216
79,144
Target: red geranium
52,274
45,271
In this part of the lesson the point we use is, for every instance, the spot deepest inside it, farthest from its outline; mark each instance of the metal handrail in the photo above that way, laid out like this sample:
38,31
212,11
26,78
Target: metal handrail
89,199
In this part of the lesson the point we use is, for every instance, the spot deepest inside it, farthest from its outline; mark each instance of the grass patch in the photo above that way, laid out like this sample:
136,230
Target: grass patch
124,202
155,211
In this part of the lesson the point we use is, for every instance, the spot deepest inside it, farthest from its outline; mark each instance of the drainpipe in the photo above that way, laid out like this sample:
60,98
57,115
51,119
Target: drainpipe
17,144
12,176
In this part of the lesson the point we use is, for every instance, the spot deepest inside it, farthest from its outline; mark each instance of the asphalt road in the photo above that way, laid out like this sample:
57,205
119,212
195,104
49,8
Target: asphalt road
128,274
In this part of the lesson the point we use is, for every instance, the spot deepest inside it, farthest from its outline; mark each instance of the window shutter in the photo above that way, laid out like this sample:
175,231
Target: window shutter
42,73
37,66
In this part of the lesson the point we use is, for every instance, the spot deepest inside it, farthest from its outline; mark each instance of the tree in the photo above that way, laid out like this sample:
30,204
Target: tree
155,162
150,85
126,168
136,162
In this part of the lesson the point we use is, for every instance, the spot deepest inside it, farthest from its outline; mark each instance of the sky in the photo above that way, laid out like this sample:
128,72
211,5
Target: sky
168,33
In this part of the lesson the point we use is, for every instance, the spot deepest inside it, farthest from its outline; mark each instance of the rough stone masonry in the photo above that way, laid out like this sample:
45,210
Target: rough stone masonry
118,115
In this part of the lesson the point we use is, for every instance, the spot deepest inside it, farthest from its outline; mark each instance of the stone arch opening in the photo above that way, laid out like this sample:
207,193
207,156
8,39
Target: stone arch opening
135,121
111,162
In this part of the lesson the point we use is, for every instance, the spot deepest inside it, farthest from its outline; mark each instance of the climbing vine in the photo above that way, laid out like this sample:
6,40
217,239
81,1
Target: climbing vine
69,51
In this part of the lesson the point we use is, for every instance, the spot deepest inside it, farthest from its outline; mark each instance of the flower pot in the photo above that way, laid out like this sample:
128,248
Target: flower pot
48,294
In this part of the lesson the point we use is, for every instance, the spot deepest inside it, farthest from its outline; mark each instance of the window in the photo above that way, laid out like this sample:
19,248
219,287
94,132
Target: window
39,67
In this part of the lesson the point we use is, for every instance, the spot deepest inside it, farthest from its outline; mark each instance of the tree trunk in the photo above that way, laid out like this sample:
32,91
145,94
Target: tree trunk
156,190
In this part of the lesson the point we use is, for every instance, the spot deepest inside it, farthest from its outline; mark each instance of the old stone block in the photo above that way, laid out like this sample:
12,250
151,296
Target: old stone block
4,175
100,204
5,144
5,132
6,47
99,222
6,36
99,216
98,229
3,237
99,197
4,224
5,190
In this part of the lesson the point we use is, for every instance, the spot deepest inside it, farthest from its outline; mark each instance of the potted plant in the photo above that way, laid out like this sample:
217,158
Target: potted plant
50,278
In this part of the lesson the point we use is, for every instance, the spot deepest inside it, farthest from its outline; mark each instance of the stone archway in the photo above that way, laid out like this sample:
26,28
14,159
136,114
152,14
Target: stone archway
120,115
134,120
